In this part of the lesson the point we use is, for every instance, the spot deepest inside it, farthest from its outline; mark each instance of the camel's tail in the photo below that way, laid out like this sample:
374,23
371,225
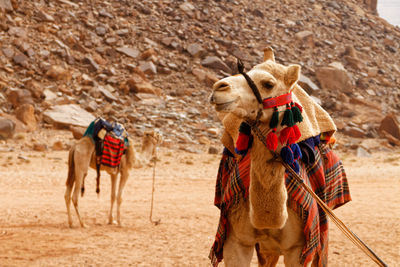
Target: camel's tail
71,168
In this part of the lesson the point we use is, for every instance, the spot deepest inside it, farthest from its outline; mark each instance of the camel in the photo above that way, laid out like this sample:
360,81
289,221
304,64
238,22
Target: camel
263,219
82,155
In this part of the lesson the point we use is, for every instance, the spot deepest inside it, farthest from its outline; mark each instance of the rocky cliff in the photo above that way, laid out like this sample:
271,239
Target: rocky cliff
151,64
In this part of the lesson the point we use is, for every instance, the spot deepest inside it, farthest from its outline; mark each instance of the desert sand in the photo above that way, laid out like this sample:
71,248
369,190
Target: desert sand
34,229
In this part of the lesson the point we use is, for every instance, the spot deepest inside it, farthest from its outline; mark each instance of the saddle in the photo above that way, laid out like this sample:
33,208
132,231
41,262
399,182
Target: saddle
111,141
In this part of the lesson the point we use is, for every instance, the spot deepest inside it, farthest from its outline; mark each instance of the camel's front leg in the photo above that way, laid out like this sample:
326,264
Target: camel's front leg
122,182
113,188
237,254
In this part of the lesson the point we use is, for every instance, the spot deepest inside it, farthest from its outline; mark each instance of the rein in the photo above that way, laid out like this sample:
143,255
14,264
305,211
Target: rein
257,131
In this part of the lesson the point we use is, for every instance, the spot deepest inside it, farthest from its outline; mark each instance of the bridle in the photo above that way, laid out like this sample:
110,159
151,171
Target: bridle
254,124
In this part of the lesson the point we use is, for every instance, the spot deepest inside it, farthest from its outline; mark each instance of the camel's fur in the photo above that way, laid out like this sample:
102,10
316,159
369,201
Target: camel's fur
264,217
82,155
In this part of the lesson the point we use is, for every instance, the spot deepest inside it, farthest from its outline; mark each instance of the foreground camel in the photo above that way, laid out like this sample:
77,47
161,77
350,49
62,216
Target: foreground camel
82,155
263,218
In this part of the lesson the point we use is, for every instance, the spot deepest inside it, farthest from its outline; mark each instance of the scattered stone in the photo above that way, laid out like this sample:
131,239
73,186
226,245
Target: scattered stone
195,50
306,38
58,73
26,114
307,84
215,63
58,146
354,132
44,16
39,147
6,4
7,128
213,150
107,94
148,67
21,59
19,97
130,52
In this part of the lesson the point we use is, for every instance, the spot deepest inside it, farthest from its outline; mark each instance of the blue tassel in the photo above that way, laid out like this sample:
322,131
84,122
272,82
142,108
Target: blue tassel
296,151
296,167
287,155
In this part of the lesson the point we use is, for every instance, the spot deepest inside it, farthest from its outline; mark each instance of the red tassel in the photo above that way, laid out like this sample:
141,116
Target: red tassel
299,107
242,142
272,140
297,133
285,135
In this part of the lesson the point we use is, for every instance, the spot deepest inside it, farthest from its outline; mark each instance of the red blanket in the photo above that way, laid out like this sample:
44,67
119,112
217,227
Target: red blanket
113,149
326,177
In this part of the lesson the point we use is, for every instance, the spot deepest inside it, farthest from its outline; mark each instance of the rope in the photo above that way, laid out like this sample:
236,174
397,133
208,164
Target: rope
346,231
153,189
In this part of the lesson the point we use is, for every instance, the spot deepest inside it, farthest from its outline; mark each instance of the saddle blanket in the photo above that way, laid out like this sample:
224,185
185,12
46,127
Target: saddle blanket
326,176
113,149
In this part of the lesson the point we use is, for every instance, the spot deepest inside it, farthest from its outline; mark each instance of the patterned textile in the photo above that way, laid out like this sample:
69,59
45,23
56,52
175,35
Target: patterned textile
326,177
113,149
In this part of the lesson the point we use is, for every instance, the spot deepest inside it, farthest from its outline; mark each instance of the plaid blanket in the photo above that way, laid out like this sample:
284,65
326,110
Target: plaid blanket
113,149
326,177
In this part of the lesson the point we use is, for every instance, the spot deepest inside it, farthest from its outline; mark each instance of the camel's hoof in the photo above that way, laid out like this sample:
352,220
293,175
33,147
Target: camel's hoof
112,222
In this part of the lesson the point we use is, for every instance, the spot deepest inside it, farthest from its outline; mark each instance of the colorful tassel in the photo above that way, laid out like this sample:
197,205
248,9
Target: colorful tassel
287,155
288,117
296,167
299,107
297,117
272,140
274,119
286,134
296,151
244,140
297,132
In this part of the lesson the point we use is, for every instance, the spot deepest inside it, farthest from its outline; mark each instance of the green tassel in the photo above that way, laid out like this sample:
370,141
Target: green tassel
297,117
274,119
288,118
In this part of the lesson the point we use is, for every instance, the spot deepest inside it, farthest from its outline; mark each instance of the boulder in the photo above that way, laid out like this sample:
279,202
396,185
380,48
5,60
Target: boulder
390,124
26,114
306,38
58,73
7,128
130,52
195,50
68,115
77,132
334,79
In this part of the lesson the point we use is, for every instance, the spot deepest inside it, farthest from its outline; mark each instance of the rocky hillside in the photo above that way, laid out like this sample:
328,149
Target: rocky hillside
151,64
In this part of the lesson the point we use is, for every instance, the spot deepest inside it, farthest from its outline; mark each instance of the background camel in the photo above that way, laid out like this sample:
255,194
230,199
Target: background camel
82,155
263,217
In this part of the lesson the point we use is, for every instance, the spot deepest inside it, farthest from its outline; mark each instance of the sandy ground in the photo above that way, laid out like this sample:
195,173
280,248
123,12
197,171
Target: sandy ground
34,230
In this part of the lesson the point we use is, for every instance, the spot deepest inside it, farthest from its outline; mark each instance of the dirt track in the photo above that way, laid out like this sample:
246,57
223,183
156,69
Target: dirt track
34,230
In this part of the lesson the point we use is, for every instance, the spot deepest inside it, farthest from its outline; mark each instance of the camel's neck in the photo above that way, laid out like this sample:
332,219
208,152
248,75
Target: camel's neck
147,150
267,191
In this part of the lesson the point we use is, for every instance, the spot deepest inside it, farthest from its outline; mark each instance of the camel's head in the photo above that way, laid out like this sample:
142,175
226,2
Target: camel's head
234,95
152,137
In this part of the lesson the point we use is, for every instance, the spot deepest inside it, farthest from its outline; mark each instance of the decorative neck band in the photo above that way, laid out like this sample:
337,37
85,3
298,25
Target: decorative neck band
277,101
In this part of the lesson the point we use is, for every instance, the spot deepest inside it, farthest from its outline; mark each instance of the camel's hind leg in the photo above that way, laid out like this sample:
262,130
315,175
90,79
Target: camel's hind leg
114,178
122,182
67,198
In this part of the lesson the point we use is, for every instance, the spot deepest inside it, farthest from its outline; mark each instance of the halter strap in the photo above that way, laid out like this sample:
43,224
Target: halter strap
277,101
250,82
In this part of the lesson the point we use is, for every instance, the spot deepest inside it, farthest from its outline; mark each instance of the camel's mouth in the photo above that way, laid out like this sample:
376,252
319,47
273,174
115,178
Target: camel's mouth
224,107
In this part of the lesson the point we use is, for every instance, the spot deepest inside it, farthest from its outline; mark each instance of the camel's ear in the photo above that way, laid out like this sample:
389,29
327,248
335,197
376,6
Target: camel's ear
292,75
269,54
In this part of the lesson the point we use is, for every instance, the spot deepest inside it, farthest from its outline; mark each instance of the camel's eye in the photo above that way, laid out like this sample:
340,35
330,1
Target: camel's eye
268,85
